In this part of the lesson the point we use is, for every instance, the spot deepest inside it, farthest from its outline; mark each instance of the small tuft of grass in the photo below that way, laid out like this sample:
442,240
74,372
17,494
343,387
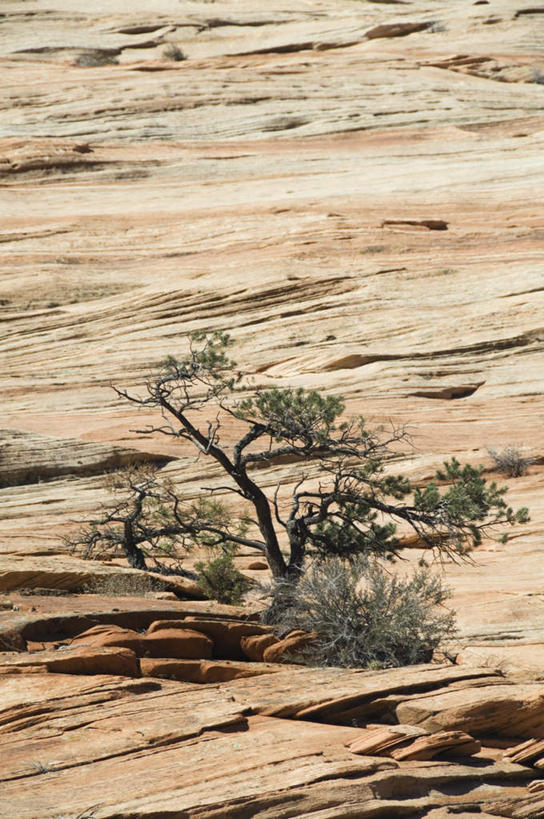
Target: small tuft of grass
173,52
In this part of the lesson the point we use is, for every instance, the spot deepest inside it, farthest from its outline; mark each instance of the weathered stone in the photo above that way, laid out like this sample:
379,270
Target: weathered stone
456,743
526,752
78,660
45,619
381,740
508,710
258,566
395,30
288,648
183,644
226,636
346,696
203,671
254,647
110,635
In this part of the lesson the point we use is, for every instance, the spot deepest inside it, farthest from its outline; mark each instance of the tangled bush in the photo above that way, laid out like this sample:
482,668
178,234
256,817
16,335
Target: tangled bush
510,461
365,615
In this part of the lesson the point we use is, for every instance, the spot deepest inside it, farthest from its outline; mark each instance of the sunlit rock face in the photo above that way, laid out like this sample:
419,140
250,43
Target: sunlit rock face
350,189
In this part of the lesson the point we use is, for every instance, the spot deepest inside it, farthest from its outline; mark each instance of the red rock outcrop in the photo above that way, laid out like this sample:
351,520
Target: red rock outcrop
79,660
182,644
226,636
110,635
203,671
255,646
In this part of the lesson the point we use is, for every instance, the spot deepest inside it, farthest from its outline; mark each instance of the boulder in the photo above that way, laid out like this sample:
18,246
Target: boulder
225,635
110,635
182,644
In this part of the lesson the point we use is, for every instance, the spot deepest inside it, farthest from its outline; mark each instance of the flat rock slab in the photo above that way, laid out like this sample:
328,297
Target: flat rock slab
80,660
188,748
515,710
73,574
340,695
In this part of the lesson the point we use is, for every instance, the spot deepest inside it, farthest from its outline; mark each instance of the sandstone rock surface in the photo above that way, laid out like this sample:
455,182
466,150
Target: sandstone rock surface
182,644
79,660
256,764
351,189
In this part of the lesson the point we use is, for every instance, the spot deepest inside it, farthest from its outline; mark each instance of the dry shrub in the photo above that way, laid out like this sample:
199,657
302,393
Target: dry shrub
124,585
366,615
510,461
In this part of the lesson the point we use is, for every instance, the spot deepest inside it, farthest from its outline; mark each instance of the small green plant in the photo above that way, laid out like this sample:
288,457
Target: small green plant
510,461
220,579
366,615
173,52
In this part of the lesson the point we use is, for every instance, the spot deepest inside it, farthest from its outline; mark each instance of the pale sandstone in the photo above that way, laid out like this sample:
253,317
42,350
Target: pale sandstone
285,183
